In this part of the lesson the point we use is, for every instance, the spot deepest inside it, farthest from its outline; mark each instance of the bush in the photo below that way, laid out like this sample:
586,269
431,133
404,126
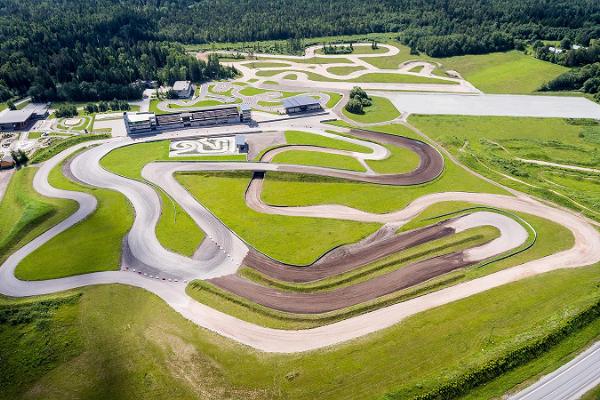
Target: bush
358,92
66,111
354,106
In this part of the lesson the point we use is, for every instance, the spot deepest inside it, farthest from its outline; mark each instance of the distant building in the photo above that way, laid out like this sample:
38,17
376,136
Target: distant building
299,104
15,120
241,144
144,122
246,113
555,50
137,122
6,161
183,89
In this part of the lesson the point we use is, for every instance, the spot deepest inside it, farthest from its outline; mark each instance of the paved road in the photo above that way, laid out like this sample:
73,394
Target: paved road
5,176
569,382
494,105
585,251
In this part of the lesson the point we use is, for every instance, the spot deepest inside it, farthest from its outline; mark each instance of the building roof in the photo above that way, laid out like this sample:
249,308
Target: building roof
133,117
7,158
299,101
240,140
20,116
245,107
181,85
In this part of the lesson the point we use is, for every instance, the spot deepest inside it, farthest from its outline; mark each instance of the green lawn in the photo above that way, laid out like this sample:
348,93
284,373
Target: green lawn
373,77
334,98
511,72
400,160
492,146
344,70
94,349
379,77
63,144
296,240
299,190
381,110
25,214
314,60
306,138
252,91
90,246
319,159
201,103
266,64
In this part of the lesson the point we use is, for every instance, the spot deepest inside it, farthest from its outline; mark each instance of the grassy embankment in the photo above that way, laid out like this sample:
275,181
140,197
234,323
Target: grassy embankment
25,214
382,110
494,146
90,348
510,72
92,245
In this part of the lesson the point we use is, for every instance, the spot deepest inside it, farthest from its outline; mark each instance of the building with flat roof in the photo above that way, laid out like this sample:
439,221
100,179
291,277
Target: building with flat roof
14,120
6,161
299,104
137,122
240,144
183,89
144,122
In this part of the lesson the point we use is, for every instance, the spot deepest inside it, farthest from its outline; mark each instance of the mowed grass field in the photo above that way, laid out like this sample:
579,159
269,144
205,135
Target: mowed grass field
382,110
25,214
295,240
497,146
123,343
319,159
510,72
92,245
300,190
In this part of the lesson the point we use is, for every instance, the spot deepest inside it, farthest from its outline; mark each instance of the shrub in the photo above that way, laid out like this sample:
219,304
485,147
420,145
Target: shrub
354,106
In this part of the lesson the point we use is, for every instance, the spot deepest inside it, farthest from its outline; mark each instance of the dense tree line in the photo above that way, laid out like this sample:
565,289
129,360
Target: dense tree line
568,56
80,50
585,79
95,49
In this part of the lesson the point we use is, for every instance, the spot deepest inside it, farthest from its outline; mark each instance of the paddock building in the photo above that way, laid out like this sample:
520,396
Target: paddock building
144,122
183,89
16,120
298,104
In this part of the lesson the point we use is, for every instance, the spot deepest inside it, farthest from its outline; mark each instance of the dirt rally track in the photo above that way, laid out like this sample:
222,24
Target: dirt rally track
85,167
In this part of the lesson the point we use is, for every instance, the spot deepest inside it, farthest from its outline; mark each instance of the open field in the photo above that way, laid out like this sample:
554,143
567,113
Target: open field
299,190
381,110
25,214
90,246
498,146
103,338
310,139
510,72
294,240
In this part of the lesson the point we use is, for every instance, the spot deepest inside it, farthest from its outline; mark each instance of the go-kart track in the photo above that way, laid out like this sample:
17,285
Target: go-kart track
149,265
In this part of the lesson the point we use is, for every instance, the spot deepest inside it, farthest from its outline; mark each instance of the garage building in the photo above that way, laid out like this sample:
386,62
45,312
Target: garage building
298,104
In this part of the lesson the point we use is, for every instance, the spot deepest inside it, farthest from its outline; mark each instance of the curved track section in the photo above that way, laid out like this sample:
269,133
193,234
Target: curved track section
85,167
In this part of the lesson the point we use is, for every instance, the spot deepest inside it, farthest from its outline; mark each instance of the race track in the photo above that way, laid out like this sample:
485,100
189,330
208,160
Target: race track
145,247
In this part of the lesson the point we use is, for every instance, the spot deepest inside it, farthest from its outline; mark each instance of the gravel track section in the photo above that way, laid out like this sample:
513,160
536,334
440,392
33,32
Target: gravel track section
321,302
346,258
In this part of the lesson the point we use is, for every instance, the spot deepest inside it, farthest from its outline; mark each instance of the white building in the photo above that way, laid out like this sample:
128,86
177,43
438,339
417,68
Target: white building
183,89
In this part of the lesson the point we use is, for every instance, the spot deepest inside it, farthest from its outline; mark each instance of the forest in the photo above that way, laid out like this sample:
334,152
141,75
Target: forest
96,49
